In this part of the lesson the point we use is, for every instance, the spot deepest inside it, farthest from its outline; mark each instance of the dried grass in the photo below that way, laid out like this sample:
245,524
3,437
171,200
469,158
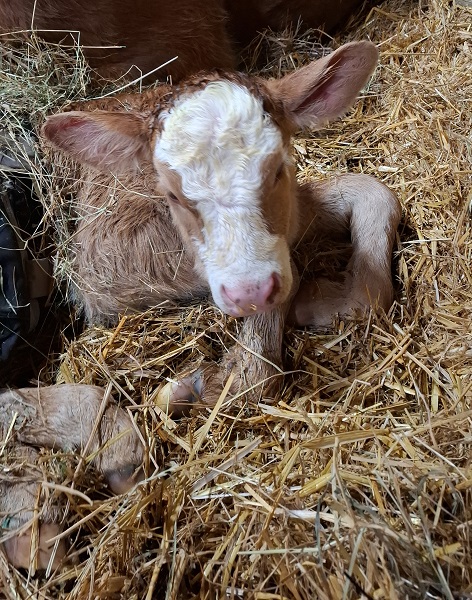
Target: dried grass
356,482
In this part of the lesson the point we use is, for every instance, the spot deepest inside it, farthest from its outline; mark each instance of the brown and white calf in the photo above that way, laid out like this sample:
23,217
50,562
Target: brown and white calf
190,190
68,417
119,36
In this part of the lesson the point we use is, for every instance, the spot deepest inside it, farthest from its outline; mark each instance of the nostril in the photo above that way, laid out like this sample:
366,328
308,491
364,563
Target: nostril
231,295
274,288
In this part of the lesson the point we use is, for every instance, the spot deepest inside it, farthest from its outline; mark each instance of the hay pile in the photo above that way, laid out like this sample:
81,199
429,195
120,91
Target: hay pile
356,482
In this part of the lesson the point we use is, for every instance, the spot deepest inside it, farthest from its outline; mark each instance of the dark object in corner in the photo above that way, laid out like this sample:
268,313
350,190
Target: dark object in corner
24,278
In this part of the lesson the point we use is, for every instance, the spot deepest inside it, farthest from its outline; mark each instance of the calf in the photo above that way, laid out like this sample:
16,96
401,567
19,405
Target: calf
121,37
191,189
69,417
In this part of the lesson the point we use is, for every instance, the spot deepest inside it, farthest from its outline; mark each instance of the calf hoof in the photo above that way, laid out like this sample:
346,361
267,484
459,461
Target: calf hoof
178,397
123,479
22,554
204,387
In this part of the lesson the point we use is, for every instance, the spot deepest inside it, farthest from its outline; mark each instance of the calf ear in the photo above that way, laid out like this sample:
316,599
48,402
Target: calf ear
326,88
101,139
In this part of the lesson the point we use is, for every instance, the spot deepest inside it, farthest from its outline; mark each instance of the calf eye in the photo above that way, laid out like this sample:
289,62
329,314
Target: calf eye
172,197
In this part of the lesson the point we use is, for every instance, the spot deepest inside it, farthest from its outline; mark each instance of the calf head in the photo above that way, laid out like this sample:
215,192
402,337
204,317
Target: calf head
220,145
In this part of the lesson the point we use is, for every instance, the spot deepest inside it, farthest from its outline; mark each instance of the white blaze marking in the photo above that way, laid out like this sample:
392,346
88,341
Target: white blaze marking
217,140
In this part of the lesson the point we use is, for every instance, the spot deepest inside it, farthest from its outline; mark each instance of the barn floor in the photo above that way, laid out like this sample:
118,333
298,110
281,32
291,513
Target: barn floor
356,482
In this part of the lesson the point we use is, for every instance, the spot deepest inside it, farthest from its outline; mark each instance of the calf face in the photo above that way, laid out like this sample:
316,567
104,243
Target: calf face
222,161
220,146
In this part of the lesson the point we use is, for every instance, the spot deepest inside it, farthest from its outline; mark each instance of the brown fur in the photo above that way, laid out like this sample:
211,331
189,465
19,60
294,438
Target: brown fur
139,252
122,37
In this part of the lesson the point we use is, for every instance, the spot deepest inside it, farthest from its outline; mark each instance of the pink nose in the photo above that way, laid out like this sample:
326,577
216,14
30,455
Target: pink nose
249,298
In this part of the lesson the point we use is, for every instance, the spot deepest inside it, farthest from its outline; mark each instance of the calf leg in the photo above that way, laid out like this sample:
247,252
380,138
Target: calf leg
28,522
76,417
255,360
371,212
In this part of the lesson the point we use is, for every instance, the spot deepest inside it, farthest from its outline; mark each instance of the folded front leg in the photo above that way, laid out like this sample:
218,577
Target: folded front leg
255,360
366,208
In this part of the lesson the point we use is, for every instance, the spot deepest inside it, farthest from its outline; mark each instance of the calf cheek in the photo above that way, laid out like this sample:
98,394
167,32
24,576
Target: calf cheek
279,208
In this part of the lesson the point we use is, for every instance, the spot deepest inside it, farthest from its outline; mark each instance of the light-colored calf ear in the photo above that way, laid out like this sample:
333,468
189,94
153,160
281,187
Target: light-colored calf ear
326,88
101,139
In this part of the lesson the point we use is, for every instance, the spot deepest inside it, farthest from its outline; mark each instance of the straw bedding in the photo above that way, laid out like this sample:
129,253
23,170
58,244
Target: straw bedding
356,481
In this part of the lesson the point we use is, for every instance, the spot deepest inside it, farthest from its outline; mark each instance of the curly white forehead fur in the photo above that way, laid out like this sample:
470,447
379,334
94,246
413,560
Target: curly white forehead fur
217,139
